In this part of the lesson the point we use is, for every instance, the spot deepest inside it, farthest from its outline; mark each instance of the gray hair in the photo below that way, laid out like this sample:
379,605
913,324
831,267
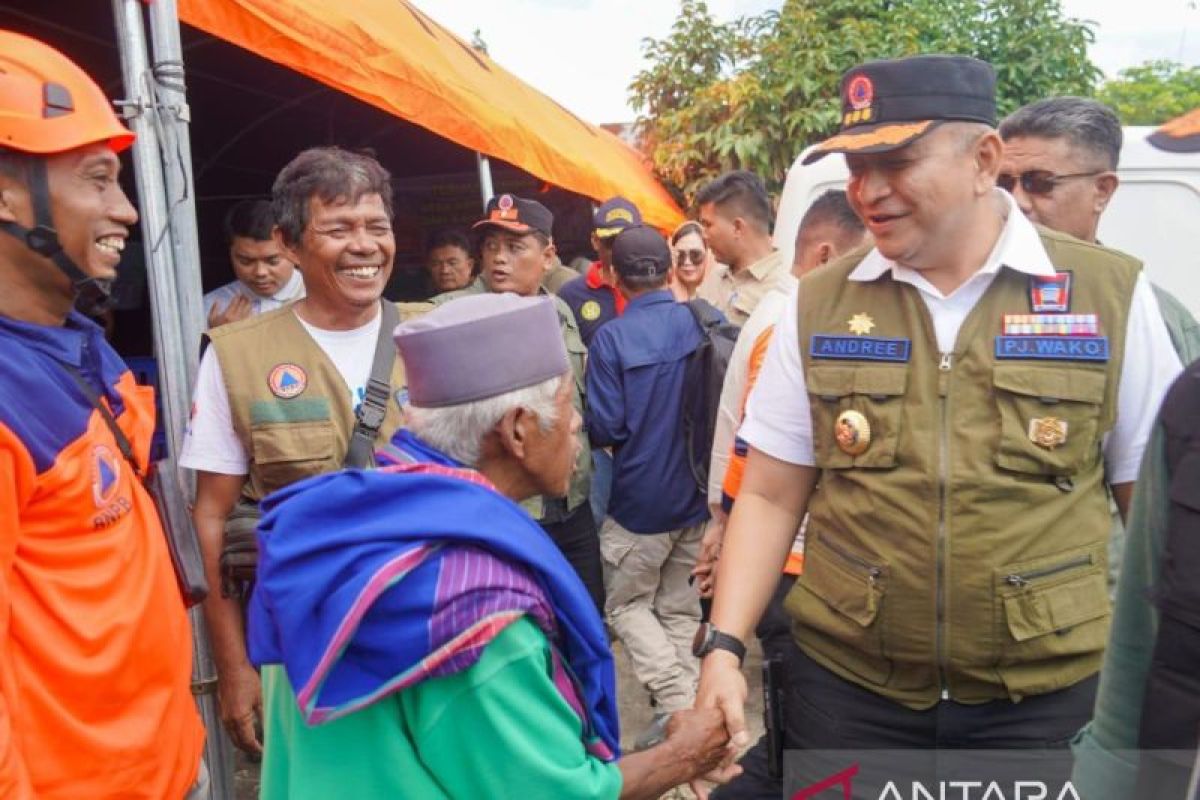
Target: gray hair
458,430
333,175
1087,124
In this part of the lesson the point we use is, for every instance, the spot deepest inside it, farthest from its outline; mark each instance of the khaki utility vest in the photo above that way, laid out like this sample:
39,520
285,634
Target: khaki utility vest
955,557
289,437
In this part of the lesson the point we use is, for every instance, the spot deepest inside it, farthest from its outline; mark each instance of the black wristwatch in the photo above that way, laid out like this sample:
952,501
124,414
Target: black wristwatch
708,638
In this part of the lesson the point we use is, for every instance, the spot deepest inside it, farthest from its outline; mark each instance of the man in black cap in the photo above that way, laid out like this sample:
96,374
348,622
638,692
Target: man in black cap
962,393
651,537
594,297
516,249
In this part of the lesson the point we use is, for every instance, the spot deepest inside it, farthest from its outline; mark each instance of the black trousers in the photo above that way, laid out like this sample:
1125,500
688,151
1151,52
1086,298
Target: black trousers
578,539
823,712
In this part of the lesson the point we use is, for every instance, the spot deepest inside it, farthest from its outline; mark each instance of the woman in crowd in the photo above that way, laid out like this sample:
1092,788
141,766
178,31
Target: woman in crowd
692,259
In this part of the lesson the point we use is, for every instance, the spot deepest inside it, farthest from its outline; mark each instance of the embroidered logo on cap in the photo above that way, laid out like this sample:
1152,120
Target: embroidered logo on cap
860,92
287,381
618,215
505,208
590,311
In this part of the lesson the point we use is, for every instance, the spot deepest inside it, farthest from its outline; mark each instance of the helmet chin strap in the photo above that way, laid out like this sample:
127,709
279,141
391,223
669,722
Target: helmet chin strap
92,295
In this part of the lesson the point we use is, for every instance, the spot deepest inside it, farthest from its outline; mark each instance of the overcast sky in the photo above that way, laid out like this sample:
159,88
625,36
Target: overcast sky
583,53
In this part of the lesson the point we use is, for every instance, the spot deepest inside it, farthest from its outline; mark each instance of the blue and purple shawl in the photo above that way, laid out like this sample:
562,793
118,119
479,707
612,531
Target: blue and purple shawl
372,581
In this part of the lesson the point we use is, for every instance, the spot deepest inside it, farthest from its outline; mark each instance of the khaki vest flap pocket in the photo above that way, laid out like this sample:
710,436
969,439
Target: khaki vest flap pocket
830,383
1078,385
1037,611
1049,418
873,394
849,585
880,382
292,441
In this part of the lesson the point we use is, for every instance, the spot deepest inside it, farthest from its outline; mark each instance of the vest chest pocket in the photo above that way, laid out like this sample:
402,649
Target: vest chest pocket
1053,609
285,452
1049,418
872,393
839,596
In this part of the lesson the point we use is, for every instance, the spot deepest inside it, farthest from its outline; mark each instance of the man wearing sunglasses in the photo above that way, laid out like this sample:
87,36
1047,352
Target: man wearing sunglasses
1060,162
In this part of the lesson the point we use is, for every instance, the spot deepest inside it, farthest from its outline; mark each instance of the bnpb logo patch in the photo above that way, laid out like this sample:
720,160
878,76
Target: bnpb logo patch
106,475
287,381
860,92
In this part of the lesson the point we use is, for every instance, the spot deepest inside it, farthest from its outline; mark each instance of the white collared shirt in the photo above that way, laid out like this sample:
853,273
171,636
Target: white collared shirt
223,295
778,418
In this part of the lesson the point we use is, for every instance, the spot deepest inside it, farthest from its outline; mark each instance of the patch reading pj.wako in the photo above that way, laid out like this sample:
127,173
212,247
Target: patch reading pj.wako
859,348
1053,348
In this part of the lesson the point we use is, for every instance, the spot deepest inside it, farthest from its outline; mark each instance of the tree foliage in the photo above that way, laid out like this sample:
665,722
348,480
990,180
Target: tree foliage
752,93
1152,93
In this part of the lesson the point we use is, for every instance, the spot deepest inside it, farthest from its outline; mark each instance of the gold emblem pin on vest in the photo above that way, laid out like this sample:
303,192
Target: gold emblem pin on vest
852,432
1048,432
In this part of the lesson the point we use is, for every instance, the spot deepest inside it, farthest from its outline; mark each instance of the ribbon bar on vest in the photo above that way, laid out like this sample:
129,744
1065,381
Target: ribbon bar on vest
860,348
1053,348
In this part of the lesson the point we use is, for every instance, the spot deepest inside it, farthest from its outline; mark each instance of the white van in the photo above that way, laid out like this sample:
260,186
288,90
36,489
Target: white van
1153,215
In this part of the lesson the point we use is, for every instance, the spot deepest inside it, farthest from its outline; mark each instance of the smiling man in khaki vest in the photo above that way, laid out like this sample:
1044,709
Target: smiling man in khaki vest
277,394
963,393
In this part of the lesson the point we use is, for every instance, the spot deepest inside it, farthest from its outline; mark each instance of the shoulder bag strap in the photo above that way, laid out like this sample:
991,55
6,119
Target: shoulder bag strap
373,409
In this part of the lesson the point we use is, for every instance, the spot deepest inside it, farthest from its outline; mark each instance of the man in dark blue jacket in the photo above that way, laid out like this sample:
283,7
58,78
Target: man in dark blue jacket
650,541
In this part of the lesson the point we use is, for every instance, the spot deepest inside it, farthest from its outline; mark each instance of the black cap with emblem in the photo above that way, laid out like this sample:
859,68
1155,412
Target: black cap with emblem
889,104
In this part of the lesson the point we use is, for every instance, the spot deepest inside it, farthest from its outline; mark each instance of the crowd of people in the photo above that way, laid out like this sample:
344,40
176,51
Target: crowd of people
423,524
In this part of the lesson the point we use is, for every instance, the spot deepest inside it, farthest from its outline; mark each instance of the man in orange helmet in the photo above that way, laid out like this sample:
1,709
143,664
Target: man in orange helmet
95,651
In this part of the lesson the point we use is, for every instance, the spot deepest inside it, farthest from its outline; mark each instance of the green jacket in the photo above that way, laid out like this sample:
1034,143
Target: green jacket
1106,761
544,509
1181,325
955,557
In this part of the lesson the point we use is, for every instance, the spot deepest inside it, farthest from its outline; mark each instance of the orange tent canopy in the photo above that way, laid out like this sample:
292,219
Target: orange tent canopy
391,55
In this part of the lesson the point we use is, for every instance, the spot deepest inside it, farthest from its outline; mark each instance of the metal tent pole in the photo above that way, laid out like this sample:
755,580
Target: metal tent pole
172,268
485,178
176,149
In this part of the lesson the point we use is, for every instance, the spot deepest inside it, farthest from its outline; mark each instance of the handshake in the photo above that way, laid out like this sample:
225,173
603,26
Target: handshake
697,748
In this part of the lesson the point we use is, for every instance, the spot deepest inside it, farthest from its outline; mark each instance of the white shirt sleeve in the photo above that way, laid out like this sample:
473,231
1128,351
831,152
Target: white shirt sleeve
778,420
210,443
1149,368
729,412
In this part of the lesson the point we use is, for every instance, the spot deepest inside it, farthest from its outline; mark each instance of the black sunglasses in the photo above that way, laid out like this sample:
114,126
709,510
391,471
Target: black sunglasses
1038,181
695,256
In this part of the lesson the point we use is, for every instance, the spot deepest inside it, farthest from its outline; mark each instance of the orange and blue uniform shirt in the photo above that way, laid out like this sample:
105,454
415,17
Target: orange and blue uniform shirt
95,647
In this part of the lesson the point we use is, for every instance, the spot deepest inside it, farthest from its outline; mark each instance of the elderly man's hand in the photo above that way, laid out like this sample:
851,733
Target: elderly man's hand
699,739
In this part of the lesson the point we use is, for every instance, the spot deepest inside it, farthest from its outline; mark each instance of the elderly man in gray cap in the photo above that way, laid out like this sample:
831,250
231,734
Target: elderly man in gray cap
433,640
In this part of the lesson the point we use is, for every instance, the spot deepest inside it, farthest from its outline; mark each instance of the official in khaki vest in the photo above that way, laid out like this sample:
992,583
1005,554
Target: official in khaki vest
276,393
962,391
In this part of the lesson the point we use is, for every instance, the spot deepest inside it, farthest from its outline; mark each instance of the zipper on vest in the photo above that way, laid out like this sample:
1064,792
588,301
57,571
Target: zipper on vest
873,572
944,367
1024,578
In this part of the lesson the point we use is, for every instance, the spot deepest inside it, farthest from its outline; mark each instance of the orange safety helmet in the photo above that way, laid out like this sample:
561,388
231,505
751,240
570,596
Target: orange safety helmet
48,104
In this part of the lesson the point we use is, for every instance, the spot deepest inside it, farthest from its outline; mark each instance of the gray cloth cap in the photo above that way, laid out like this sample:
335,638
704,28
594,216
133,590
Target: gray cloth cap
480,346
